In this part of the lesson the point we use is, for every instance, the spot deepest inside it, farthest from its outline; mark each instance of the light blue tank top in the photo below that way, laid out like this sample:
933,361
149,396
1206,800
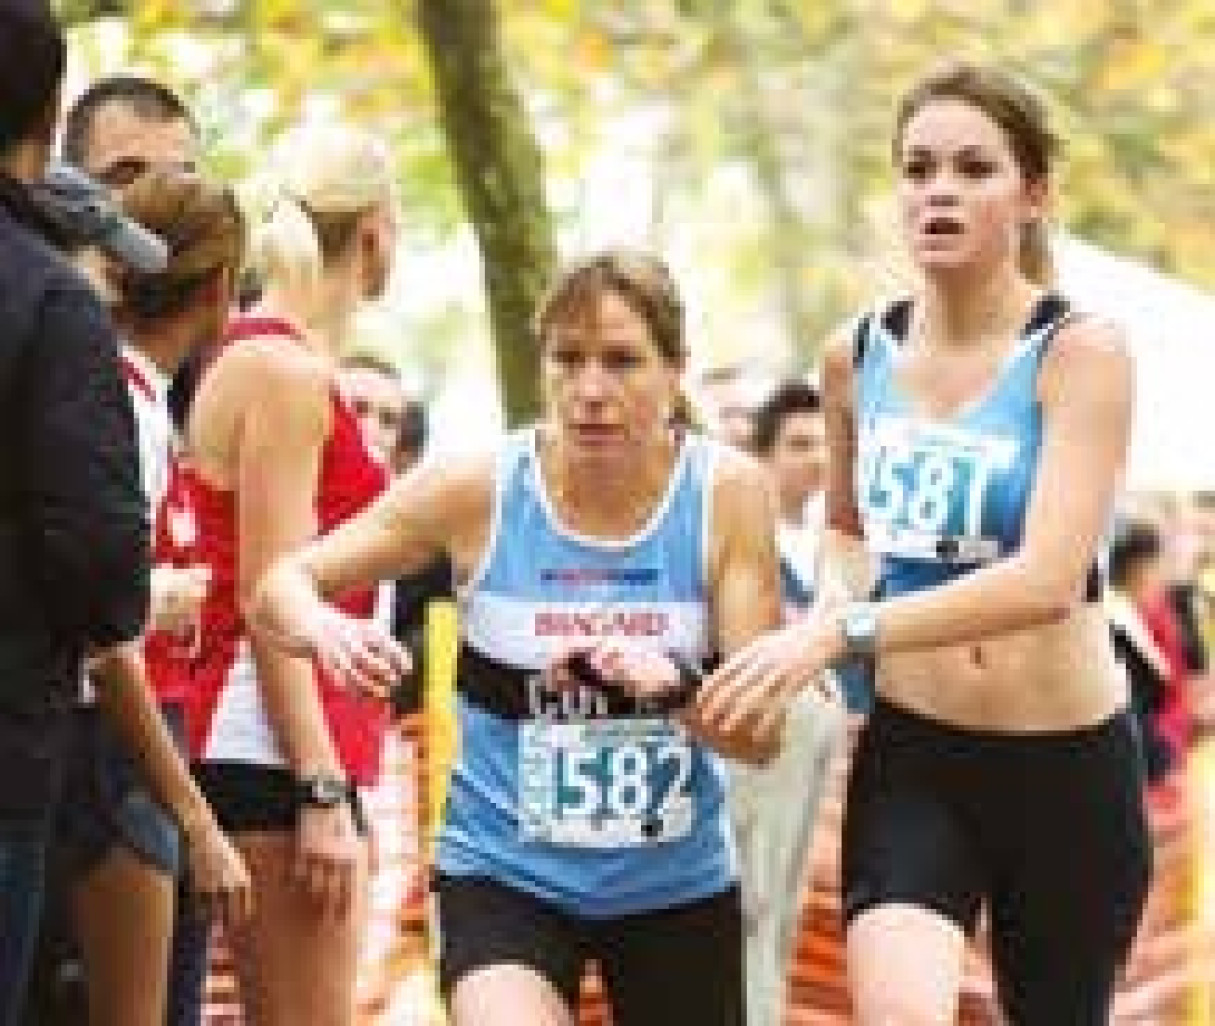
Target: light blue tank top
600,814
939,497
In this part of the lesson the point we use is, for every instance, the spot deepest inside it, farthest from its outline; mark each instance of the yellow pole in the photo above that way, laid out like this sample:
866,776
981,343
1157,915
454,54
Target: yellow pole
442,643
439,738
1201,773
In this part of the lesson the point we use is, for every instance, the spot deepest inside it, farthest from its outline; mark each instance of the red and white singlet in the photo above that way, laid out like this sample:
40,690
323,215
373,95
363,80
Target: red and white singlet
215,675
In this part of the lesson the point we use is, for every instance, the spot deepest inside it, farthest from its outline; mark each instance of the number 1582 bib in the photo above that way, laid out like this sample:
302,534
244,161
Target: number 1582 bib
604,783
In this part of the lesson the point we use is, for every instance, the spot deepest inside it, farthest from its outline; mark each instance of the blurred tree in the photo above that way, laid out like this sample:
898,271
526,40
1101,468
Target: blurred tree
797,96
501,178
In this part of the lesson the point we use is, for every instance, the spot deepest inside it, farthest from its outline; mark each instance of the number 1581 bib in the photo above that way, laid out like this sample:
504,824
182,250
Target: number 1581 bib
604,782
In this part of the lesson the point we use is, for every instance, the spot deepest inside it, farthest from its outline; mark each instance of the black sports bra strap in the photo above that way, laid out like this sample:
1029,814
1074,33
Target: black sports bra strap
897,319
860,340
1051,309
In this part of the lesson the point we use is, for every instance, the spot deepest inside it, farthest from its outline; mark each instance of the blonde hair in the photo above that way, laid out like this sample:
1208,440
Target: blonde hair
328,177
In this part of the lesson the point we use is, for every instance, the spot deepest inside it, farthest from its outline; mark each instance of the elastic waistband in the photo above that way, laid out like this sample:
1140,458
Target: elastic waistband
888,715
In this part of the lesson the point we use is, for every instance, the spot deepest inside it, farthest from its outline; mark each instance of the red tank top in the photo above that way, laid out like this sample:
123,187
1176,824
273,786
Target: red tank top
212,674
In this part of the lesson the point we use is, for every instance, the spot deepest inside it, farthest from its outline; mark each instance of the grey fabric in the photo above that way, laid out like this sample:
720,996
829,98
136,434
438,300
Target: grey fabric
773,810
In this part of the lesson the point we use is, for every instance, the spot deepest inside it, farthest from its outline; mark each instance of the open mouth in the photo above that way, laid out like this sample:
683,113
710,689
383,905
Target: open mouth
596,432
942,227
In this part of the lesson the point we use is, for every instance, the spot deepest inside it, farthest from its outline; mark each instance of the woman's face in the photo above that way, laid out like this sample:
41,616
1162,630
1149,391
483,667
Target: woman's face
607,386
963,198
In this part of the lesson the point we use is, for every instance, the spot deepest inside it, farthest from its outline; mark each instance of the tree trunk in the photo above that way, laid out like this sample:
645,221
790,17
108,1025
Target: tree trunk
499,168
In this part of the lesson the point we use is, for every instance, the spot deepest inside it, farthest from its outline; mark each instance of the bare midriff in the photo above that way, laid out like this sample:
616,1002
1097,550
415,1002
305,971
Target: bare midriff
1056,677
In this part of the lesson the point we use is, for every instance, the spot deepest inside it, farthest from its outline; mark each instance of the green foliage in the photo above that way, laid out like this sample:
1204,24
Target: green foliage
799,92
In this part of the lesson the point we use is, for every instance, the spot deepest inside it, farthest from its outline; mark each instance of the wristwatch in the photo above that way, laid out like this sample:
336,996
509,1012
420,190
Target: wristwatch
321,791
860,628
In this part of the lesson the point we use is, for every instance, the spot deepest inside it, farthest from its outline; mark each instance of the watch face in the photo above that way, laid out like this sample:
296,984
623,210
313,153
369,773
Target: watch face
860,629
324,791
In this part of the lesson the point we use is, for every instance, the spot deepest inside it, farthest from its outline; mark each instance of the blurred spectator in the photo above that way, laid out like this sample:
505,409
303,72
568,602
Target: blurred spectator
411,436
1148,642
790,438
117,130
73,526
726,396
374,390
1185,543
123,126
773,807
393,422
120,127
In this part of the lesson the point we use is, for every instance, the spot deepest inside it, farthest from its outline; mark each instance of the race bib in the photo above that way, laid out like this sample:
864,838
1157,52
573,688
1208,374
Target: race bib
605,782
923,488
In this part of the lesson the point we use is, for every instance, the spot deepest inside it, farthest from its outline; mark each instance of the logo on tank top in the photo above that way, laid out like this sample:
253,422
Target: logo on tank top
601,623
629,576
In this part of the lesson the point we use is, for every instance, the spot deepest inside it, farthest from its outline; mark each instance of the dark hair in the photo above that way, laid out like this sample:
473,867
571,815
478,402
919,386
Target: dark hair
1134,545
643,281
412,434
33,54
145,97
790,398
204,229
371,362
1021,116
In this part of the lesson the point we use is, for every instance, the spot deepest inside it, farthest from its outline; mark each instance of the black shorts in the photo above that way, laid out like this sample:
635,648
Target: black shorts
661,968
246,796
106,802
1047,830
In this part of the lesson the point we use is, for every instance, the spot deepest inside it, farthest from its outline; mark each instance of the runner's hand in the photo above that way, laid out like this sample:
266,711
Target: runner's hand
177,597
641,675
327,857
752,689
356,652
219,880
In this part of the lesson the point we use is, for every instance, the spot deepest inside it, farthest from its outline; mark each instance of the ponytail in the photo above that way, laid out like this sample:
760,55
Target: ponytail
1034,255
286,248
323,179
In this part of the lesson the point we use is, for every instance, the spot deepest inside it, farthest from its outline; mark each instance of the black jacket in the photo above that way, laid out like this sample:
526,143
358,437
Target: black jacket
74,537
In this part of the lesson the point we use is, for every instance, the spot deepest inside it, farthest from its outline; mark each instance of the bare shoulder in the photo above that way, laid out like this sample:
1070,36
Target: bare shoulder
836,363
742,500
450,492
271,373
1090,355
457,483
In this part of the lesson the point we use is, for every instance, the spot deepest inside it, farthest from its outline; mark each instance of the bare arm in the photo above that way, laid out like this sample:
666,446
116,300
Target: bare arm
125,698
279,446
845,571
1085,391
745,582
425,513
217,874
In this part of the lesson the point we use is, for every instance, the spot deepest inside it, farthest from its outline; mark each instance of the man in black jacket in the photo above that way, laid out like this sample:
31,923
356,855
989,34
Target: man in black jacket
73,528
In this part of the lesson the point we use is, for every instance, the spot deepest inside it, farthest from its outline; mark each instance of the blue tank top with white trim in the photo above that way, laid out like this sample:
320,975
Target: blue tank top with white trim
598,810
941,496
